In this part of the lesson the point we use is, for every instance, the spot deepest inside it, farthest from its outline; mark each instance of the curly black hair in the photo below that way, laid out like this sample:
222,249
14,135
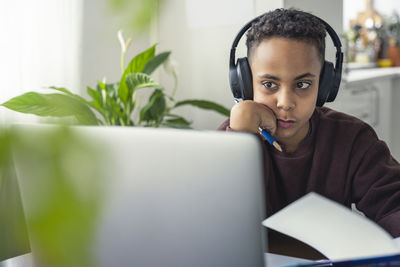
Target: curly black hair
288,23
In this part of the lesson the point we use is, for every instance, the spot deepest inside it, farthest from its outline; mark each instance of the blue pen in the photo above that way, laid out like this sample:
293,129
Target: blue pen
270,138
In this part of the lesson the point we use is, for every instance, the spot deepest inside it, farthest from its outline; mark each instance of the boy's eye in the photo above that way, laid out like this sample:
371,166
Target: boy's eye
303,85
270,85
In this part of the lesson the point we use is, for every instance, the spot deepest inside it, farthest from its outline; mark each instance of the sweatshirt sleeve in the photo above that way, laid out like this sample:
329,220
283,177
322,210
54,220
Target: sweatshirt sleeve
225,126
376,183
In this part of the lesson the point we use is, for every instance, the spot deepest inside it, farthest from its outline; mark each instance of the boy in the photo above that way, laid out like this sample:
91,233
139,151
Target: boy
328,152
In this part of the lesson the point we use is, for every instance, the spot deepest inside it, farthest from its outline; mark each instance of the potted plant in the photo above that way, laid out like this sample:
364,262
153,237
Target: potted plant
115,103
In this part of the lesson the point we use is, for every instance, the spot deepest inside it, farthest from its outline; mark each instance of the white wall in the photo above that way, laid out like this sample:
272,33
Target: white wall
100,50
202,53
329,10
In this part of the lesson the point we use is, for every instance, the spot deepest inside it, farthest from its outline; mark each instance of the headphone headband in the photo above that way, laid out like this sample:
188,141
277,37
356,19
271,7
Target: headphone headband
335,38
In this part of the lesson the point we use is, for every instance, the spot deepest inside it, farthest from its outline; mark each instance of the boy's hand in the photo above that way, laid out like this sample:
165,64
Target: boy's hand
248,115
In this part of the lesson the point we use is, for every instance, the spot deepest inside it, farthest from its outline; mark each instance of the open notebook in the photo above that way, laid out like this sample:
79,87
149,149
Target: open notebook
346,238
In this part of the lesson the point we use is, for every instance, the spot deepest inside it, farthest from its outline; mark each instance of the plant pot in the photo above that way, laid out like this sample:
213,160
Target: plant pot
394,55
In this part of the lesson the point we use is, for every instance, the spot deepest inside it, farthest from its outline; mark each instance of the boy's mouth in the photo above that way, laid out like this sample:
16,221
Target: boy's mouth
285,124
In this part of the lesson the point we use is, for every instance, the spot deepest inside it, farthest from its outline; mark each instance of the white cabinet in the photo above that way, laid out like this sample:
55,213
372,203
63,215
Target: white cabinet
370,101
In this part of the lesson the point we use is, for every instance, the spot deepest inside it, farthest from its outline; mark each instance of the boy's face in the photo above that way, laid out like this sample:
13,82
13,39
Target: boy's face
285,79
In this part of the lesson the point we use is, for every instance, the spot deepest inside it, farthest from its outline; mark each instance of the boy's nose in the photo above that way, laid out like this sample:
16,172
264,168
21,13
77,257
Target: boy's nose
285,100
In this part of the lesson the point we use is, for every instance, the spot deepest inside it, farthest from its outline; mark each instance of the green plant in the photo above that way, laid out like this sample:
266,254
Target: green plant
117,102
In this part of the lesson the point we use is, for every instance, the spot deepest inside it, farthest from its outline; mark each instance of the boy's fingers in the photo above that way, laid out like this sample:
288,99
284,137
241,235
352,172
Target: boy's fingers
249,116
244,117
267,119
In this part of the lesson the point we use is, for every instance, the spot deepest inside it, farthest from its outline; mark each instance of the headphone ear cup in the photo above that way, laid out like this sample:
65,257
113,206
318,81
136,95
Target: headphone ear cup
234,82
337,77
245,78
326,87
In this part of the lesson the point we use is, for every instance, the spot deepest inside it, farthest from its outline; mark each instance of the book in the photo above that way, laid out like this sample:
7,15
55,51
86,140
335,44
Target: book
384,261
345,237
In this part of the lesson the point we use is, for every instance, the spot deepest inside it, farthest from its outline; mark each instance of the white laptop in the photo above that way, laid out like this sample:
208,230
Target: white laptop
174,197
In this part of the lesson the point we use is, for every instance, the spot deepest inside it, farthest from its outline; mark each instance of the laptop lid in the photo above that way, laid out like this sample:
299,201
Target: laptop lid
175,198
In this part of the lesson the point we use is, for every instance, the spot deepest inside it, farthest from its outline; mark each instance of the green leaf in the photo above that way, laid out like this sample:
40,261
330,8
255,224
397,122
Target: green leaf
140,80
61,89
95,105
204,104
92,93
97,100
66,91
95,95
64,211
136,65
154,110
116,108
57,105
101,89
123,91
112,90
155,62
179,122
101,93
111,109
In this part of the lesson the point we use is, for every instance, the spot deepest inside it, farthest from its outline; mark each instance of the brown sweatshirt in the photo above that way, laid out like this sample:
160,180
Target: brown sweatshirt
342,159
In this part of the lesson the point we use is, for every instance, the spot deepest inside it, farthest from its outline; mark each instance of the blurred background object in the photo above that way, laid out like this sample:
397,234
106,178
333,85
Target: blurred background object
394,38
136,16
365,41
373,36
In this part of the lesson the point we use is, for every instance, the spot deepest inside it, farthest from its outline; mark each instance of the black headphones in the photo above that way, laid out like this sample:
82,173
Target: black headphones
241,81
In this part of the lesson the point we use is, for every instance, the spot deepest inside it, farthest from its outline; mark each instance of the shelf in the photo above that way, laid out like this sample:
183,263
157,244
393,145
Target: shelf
366,75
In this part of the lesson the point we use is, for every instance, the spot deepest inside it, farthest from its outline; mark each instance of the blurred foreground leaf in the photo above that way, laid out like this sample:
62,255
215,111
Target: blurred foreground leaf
137,15
60,179
13,232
